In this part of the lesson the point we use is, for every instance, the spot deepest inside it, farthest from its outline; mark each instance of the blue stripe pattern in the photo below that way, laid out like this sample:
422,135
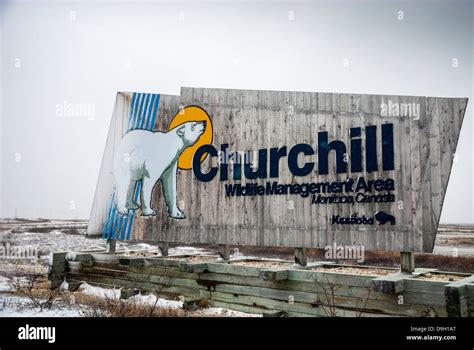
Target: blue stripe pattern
142,115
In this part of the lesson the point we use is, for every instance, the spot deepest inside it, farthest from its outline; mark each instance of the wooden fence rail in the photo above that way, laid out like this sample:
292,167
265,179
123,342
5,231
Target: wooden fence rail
274,287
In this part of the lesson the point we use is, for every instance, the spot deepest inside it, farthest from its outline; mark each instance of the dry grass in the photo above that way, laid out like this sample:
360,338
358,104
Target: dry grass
108,306
34,288
446,263
455,241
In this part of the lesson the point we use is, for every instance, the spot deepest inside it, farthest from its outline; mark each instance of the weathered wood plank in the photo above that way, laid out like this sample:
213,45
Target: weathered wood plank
301,256
296,291
144,286
273,274
457,297
389,284
158,271
470,299
236,269
407,262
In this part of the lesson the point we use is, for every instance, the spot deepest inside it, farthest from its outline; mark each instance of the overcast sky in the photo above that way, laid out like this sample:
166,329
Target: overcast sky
57,54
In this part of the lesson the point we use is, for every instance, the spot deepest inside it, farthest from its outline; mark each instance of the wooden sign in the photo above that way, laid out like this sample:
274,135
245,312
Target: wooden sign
283,169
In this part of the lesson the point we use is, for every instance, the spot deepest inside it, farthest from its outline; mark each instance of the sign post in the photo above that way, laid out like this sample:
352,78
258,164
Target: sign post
407,262
301,256
111,246
224,251
163,248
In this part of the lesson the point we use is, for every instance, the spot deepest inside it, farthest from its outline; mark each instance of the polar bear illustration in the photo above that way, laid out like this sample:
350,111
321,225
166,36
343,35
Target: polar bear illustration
152,156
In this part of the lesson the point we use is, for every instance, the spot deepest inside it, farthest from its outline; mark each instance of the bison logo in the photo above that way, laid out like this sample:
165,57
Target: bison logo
382,217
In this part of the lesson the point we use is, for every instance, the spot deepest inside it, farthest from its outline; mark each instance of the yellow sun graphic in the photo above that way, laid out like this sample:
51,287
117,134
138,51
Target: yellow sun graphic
187,114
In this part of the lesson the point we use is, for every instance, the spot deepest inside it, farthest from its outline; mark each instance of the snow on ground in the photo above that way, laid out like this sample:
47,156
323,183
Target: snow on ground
188,250
110,293
59,239
54,241
4,284
12,305
18,306
151,299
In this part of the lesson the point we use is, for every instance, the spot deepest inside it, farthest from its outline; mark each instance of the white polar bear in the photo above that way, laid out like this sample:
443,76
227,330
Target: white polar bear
152,156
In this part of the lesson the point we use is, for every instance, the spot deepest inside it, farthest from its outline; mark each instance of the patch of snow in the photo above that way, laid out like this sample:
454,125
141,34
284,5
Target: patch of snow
151,299
64,286
143,246
188,251
17,306
4,284
60,241
99,292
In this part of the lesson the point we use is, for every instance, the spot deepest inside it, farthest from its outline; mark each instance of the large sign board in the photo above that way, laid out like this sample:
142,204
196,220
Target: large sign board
274,168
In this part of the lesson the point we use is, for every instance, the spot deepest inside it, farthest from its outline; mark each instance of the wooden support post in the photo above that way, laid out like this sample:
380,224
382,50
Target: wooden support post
301,256
273,275
224,251
131,261
389,284
457,298
111,246
163,247
193,267
57,270
407,262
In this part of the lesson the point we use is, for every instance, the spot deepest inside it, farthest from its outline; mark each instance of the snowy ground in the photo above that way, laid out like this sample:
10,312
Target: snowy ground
58,240
57,236
12,305
53,236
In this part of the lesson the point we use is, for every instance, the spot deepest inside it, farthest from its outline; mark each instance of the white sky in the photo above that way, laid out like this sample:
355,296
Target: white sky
57,52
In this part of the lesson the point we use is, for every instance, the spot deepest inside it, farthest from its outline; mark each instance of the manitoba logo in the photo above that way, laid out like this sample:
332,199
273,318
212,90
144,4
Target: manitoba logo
381,217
